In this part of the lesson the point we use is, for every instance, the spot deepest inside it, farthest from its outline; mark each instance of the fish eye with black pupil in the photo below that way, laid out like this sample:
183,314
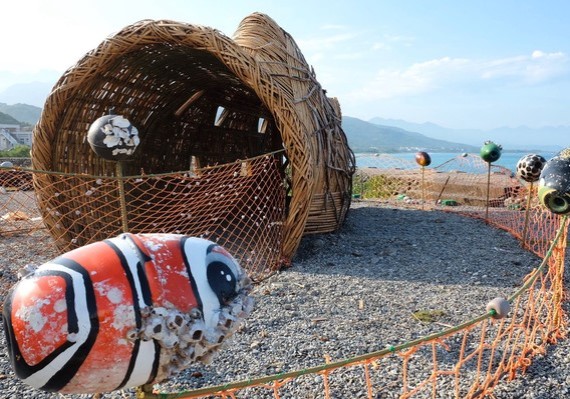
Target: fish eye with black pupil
222,281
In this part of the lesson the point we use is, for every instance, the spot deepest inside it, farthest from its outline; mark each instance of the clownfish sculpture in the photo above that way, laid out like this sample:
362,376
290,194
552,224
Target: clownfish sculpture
128,311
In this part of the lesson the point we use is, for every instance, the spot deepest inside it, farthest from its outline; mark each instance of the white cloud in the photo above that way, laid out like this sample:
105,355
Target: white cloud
418,78
317,57
47,37
388,42
340,46
333,27
462,73
536,68
325,42
349,56
381,46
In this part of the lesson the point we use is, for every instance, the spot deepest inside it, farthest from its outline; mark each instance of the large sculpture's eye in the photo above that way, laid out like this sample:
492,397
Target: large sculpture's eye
222,281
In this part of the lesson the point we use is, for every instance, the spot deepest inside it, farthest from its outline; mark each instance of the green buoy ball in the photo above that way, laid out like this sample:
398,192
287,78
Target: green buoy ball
500,307
490,152
554,184
423,158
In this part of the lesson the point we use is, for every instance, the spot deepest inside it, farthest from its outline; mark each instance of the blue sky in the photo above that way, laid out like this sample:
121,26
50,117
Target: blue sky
461,64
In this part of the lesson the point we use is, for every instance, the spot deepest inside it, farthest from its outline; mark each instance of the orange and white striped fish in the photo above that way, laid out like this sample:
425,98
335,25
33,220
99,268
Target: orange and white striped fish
131,310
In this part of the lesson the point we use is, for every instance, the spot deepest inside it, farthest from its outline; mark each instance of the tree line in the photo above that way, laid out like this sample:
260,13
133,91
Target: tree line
20,151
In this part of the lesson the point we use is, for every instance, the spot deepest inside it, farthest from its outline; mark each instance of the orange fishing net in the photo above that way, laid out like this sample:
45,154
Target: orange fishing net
242,205
464,184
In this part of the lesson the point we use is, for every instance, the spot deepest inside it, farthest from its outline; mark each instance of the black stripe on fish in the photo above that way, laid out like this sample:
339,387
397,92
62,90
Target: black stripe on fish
145,296
191,278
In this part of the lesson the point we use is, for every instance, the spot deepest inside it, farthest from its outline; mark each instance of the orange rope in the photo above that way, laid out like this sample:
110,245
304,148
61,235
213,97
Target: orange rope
366,366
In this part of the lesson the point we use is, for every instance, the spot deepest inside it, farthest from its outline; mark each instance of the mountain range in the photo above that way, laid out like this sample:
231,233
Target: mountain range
6,119
364,136
547,138
394,135
21,113
34,93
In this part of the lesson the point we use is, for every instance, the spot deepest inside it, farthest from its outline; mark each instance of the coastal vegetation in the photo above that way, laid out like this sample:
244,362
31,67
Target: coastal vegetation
20,151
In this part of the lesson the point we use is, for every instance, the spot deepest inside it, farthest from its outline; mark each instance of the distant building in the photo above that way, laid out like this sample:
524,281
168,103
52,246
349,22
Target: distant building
12,136
10,128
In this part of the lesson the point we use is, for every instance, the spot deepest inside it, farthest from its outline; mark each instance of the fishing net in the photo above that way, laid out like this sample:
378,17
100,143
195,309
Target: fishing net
468,360
240,206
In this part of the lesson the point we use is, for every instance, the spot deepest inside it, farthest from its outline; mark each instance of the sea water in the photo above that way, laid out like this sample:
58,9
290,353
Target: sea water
508,160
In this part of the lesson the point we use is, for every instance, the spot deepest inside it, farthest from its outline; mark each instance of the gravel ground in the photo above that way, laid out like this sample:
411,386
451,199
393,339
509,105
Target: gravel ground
353,292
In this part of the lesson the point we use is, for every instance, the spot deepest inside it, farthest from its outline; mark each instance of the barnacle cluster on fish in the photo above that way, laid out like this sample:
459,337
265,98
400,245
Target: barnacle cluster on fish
185,338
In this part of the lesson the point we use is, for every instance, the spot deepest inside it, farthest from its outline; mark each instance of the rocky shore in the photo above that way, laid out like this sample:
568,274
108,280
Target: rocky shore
356,291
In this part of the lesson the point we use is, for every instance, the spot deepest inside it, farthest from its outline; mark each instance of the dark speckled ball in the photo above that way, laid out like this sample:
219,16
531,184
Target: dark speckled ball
530,166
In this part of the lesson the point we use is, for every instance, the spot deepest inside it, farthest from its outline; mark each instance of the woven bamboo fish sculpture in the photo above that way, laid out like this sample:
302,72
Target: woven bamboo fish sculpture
124,312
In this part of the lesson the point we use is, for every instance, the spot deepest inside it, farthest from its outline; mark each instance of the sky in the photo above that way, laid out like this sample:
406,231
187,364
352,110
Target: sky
477,64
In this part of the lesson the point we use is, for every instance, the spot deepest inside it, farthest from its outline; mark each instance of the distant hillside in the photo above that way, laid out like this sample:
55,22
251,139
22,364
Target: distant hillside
547,138
368,137
22,112
7,119
34,93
